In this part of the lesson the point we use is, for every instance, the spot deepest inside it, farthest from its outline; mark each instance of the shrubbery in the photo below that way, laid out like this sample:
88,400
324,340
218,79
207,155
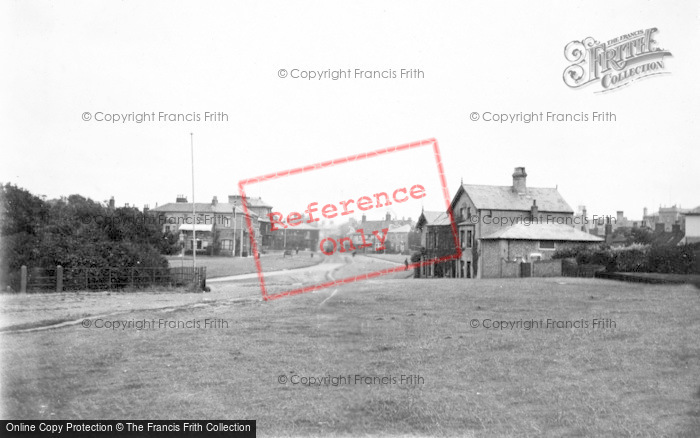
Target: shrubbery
634,258
77,232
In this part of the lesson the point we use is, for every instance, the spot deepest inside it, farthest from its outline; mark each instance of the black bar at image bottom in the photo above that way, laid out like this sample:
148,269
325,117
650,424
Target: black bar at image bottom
127,428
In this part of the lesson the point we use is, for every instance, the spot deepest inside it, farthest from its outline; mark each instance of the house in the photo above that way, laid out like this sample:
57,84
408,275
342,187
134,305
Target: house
219,228
482,213
304,236
482,210
396,237
504,250
262,209
692,226
398,240
436,241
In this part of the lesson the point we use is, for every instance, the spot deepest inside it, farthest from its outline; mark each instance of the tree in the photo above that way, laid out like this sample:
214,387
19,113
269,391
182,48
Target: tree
77,232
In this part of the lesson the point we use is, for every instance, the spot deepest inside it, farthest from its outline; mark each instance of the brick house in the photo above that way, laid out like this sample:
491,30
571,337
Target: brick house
506,250
220,228
481,210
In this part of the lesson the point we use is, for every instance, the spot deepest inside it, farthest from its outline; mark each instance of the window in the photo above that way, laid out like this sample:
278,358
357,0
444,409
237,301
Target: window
199,244
462,213
461,239
546,244
227,244
167,228
469,238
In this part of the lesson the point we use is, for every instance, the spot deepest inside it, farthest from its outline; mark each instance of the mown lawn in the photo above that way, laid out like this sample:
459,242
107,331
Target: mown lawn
226,266
637,379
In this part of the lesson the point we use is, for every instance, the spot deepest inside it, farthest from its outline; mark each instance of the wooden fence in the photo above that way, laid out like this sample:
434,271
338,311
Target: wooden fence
90,278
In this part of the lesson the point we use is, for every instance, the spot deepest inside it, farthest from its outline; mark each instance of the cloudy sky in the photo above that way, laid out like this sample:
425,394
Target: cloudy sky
127,57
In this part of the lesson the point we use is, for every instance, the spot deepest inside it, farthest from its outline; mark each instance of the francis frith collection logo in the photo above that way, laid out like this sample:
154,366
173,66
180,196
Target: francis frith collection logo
615,63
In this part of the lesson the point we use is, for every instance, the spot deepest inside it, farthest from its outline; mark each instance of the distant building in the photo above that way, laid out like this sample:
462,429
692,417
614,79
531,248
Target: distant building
304,236
692,226
397,236
262,209
219,228
668,216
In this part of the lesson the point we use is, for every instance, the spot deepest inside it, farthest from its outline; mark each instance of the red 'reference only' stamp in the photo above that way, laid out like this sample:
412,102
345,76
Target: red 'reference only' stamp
314,212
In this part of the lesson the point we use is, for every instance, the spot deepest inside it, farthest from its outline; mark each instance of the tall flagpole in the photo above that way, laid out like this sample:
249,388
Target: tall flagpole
194,210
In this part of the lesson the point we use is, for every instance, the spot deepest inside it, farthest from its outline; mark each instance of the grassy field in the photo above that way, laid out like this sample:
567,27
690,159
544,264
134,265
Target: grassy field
639,378
225,266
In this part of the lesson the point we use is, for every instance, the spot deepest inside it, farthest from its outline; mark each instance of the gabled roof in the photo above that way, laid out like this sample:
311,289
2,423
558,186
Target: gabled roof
555,232
433,218
505,198
201,207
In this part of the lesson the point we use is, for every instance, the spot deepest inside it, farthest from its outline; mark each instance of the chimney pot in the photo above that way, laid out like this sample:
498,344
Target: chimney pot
520,180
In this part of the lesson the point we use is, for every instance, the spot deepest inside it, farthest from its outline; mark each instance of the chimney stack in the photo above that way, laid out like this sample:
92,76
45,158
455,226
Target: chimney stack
519,180
214,201
608,231
364,218
646,213
180,198
534,211
388,216
584,213
111,203
620,216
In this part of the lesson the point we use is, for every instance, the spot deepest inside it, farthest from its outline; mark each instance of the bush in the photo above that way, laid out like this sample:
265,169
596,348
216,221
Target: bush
672,259
634,258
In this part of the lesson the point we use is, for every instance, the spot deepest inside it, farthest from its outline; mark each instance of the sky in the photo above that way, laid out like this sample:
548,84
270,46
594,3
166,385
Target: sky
67,60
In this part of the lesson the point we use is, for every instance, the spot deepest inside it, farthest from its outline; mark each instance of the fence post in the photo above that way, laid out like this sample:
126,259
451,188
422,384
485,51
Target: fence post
23,279
59,278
